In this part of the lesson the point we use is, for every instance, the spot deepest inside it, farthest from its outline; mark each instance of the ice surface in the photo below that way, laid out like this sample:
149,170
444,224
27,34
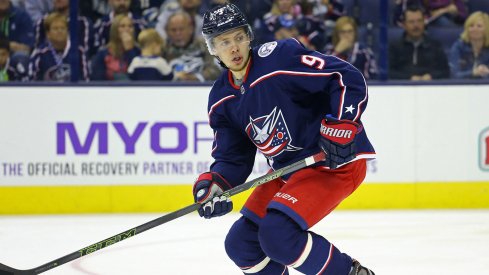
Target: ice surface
389,242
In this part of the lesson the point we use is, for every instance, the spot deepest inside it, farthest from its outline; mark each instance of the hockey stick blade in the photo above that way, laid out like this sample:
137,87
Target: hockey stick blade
7,270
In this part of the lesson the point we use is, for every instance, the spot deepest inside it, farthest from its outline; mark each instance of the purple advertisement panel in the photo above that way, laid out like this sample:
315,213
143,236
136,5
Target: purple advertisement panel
107,136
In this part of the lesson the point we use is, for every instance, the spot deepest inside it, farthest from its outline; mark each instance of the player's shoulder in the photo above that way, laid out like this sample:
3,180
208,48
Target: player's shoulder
280,54
279,49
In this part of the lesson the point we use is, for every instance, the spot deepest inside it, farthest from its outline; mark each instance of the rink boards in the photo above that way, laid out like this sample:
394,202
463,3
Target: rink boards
138,149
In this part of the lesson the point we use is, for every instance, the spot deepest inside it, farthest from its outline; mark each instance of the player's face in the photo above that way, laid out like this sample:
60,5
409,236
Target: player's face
233,49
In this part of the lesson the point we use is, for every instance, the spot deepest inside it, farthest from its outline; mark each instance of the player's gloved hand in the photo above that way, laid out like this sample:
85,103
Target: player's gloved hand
338,140
207,190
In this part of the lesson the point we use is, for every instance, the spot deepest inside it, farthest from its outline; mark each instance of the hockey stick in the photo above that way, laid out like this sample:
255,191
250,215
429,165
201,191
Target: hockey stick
6,270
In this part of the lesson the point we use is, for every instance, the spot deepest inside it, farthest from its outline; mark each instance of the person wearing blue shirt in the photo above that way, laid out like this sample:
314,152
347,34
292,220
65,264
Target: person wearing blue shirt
8,70
16,25
469,56
85,27
51,60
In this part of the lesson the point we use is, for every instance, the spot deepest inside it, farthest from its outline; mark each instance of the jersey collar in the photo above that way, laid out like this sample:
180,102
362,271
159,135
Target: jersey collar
230,74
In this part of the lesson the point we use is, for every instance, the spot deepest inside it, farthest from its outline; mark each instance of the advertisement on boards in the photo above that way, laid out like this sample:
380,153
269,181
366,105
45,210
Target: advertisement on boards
160,135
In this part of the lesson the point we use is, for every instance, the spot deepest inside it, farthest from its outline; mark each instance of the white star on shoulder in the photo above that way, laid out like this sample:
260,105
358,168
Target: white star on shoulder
350,109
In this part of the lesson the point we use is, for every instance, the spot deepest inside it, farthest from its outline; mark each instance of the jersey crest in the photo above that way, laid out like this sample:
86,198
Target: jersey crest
58,73
270,134
267,48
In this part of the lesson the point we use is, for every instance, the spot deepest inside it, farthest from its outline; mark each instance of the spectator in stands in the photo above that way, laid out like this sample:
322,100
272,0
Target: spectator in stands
51,60
416,56
16,25
285,28
312,32
188,55
16,69
150,65
327,10
307,29
254,11
191,7
440,13
282,15
445,13
37,9
345,45
469,56
85,28
103,26
94,9
7,72
111,62
19,4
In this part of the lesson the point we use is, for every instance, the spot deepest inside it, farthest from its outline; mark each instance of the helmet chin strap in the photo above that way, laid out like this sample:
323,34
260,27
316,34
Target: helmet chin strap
221,63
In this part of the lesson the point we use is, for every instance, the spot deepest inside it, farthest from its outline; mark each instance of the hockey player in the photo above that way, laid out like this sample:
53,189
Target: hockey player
289,102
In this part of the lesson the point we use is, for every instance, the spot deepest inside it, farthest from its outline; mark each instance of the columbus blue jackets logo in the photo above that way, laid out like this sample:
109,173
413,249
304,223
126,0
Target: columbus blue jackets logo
58,73
267,48
270,134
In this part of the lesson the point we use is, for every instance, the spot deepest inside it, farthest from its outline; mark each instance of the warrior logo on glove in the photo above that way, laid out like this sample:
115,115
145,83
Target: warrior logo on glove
337,134
338,140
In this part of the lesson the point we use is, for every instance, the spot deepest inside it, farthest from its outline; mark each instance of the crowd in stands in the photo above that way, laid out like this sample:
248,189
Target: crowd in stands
160,40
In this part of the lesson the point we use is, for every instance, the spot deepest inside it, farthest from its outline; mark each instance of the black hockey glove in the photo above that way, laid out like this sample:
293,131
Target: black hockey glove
338,140
207,190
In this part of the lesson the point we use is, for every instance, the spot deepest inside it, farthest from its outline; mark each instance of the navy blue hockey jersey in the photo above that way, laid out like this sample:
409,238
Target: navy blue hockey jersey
49,65
285,94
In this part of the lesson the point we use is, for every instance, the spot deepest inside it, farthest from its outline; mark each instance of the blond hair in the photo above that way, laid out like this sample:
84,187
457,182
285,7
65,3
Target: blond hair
478,15
340,23
148,36
52,17
276,11
115,44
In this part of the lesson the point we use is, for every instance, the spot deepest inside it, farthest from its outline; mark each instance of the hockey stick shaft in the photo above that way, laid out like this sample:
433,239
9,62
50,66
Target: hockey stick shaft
6,270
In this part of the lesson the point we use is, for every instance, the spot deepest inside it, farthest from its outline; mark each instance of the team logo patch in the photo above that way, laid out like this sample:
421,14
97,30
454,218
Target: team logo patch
58,73
270,134
484,149
267,48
